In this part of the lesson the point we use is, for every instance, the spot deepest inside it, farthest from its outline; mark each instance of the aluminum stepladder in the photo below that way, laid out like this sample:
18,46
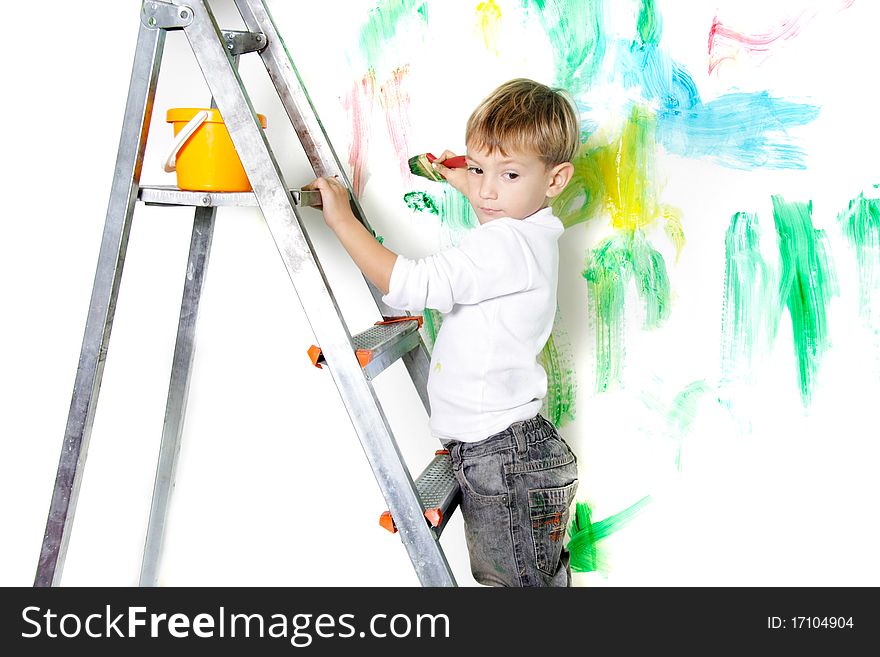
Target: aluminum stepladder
434,494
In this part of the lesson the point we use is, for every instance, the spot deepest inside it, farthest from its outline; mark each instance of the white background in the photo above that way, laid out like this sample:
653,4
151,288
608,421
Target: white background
272,485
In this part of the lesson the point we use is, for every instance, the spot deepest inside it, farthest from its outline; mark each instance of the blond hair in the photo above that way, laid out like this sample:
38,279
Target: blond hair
526,116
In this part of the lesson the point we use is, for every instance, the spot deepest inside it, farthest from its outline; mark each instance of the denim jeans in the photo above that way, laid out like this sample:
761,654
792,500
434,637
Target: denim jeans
517,486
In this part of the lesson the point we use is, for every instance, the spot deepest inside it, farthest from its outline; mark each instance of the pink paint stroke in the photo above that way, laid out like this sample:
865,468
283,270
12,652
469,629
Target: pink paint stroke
725,42
395,102
359,104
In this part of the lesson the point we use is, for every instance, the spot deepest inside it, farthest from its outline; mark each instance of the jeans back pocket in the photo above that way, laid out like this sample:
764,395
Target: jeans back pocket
548,511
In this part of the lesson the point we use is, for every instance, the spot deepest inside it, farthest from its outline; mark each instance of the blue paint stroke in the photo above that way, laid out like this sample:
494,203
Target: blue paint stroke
738,130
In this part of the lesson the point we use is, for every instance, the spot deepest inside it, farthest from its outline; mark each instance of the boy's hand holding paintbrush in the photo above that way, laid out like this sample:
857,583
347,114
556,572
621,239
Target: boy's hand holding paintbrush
449,167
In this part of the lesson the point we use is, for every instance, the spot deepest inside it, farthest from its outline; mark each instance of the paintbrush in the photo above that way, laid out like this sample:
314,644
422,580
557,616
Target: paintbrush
420,165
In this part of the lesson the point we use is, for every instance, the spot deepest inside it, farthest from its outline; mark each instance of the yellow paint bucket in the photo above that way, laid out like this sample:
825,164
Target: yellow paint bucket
202,152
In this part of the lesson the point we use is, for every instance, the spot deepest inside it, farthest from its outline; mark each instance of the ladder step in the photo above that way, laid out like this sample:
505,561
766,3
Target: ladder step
380,345
438,490
170,195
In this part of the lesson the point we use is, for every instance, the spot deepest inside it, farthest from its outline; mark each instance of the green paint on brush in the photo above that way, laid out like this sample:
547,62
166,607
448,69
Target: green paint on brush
682,414
421,202
650,23
860,223
751,307
807,283
619,260
577,36
382,25
558,362
584,535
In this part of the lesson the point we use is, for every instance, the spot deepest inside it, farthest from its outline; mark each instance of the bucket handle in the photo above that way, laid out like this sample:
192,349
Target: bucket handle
185,133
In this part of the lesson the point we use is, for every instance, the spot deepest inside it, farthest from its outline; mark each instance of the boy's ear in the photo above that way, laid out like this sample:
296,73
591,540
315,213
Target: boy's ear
560,175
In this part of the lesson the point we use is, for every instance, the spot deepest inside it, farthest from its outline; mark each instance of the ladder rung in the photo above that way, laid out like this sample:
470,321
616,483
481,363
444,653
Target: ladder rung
380,345
438,490
170,195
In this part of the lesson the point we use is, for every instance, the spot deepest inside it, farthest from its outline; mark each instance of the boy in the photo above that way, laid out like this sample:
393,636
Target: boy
497,291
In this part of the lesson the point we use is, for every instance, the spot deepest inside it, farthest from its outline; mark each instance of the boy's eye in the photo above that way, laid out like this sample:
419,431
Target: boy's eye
476,170
511,175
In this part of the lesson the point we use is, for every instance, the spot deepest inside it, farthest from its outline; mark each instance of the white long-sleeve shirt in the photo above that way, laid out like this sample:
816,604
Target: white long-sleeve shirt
497,293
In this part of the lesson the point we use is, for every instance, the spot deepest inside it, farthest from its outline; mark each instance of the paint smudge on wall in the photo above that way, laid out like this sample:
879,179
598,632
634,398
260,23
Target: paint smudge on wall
682,414
557,359
628,170
431,322
860,223
739,131
383,26
807,283
620,176
726,43
583,198
457,216
649,23
421,202
619,260
751,306
576,32
585,535
673,228
488,24
359,104
395,103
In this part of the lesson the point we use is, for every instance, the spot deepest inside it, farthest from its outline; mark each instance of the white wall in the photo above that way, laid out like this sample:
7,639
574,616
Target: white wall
272,486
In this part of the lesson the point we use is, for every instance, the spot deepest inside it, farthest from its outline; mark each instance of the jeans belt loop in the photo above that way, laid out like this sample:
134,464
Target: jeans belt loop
522,445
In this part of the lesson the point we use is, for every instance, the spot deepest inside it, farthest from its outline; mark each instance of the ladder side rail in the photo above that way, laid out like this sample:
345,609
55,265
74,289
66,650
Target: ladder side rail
178,388
319,150
178,392
316,297
102,306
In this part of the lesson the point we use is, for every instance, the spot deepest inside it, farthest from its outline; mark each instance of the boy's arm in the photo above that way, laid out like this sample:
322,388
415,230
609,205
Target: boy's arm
373,259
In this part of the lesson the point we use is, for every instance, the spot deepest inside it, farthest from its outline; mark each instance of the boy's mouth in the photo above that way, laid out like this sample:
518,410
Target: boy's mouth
490,211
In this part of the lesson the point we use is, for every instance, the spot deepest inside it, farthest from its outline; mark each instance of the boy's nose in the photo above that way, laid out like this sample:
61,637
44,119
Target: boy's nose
487,189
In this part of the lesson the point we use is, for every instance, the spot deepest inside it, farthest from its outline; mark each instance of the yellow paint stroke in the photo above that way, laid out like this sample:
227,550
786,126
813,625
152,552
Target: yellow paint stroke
673,228
489,24
620,176
628,170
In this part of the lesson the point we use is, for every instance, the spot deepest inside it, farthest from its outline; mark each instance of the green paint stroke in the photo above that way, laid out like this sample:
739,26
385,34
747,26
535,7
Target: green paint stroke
751,307
623,258
860,223
382,25
577,36
583,197
456,212
650,23
807,285
682,414
421,202
584,535
558,361
431,321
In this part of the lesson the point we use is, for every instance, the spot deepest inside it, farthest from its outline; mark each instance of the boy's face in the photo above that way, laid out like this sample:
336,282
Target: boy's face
515,185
